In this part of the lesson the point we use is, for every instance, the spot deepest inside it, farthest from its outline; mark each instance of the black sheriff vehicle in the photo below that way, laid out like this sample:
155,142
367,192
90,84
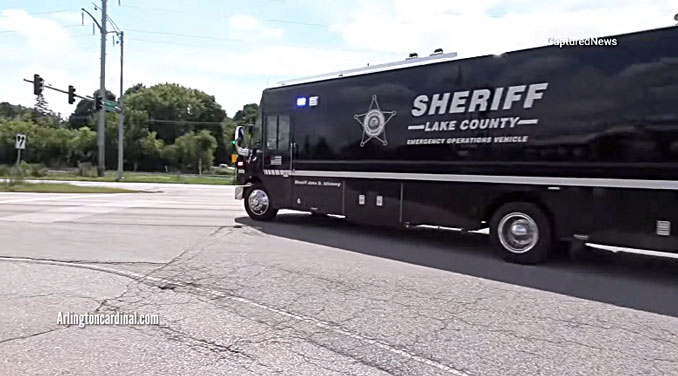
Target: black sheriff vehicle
544,145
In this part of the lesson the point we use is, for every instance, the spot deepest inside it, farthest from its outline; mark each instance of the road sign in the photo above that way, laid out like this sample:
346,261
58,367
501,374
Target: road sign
109,106
20,143
234,158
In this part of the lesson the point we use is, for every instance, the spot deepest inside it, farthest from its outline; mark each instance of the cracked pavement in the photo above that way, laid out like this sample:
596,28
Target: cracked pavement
308,296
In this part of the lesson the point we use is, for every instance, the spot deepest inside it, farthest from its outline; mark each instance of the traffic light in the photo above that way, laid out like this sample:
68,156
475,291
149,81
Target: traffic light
97,103
71,94
38,84
233,142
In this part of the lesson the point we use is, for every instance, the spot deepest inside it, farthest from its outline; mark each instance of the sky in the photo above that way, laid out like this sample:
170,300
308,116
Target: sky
234,49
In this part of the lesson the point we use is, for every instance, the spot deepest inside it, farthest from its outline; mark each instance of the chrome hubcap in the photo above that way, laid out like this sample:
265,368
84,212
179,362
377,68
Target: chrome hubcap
518,232
258,202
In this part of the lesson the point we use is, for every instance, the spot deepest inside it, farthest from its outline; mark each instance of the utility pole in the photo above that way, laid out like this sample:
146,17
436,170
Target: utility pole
121,117
101,129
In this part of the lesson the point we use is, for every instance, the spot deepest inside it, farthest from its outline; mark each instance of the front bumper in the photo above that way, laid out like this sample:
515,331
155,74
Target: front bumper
240,191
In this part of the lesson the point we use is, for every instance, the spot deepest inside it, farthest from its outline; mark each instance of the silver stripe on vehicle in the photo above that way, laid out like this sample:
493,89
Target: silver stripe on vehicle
637,251
528,180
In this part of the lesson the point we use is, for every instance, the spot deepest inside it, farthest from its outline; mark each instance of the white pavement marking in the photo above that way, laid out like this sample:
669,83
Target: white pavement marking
60,214
76,210
313,321
66,196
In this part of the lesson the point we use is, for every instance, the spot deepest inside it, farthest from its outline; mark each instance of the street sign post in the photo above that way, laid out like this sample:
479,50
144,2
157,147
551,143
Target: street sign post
19,144
109,106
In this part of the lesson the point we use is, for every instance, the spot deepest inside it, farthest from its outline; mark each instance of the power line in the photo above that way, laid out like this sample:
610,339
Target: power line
192,36
156,9
317,48
16,31
298,23
183,10
52,11
169,43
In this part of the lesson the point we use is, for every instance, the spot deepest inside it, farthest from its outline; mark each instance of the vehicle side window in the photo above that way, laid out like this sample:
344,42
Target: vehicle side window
272,132
277,132
283,132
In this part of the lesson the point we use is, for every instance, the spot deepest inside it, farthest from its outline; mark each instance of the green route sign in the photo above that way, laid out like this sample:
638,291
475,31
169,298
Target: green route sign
109,106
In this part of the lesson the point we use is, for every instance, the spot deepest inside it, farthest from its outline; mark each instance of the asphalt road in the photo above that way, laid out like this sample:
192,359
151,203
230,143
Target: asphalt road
307,296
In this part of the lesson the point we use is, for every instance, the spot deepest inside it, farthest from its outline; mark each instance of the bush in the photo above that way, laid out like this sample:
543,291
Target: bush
16,175
37,170
221,171
87,169
24,169
4,170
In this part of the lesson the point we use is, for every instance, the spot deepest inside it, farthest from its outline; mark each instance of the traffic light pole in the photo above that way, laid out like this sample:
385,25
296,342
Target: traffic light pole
46,86
101,129
121,117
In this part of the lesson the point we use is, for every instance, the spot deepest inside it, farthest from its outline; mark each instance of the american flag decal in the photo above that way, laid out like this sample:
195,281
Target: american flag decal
276,160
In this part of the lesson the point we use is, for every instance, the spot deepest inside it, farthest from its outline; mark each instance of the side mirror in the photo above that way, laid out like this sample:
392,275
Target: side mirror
239,135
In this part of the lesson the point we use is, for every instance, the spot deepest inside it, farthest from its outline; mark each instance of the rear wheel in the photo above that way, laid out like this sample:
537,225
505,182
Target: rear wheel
258,204
521,232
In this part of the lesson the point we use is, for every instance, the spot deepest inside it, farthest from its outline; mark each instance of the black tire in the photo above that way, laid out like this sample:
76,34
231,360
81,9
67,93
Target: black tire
256,209
531,241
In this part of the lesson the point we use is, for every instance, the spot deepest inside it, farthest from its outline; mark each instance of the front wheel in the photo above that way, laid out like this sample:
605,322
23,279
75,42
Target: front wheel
258,204
521,232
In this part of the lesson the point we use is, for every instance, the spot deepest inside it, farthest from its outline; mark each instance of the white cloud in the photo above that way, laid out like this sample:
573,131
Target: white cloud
41,34
43,46
237,78
71,18
471,28
248,28
372,31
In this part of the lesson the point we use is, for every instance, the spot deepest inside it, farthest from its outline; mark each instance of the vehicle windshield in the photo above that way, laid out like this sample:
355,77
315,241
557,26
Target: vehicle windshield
253,134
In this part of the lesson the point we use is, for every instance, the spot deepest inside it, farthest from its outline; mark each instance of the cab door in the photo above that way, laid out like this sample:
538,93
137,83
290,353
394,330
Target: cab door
277,162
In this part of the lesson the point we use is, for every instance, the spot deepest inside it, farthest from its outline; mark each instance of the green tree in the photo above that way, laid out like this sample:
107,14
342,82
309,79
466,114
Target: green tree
206,146
134,89
83,145
151,148
8,130
44,144
229,131
17,112
174,110
170,155
83,116
194,147
248,114
187,152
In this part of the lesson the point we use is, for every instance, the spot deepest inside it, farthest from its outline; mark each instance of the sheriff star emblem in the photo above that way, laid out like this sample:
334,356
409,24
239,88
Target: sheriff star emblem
374,122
